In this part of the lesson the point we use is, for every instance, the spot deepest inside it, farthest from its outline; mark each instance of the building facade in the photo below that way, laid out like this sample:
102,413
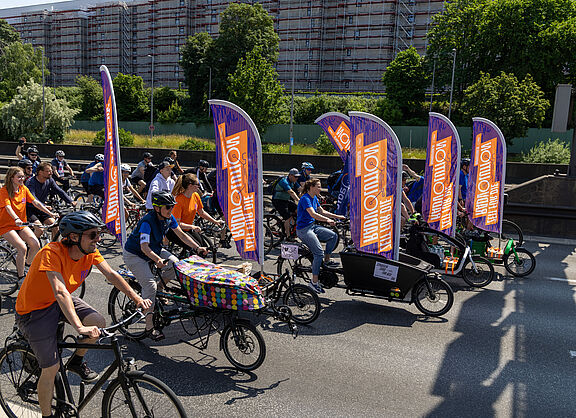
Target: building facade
326,45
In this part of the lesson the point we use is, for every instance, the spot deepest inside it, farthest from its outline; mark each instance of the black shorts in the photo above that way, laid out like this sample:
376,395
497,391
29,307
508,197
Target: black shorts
135,180
86,187
97,189
35,214
40,328
286,208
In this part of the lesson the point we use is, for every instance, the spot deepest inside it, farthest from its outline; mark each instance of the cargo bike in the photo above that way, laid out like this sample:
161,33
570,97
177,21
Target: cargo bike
407,279
207,299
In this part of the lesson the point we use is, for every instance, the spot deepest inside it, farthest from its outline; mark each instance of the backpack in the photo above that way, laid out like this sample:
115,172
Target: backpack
334,183
272,186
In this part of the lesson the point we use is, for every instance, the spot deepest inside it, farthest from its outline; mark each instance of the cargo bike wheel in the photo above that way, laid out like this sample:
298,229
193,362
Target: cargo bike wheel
243,345
479,274
519,262
121,306
304,304
433,296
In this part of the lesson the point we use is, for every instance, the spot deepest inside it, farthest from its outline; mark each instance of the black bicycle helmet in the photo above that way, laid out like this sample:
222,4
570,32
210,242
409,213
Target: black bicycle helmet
464,161
147,155
60,153
163,198
78,222
99,157
24,162
32,149
203,163
168,162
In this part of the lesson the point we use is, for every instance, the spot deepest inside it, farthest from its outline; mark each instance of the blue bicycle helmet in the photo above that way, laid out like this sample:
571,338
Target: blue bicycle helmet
309,166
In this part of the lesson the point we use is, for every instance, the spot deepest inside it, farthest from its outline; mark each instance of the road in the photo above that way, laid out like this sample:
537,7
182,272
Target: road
506,350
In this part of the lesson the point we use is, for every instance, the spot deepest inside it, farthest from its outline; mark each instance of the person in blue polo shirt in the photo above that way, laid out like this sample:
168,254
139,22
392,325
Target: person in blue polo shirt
311,234
285,198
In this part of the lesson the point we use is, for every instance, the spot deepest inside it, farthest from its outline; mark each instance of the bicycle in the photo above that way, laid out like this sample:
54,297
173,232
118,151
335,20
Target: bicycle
107,238
130,393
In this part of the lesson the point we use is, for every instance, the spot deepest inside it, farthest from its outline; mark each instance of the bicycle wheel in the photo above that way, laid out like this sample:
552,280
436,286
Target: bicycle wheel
436,301
81,291
8,272
510,230
303,302
143,395
243,345
81,199
519,262
121,306
269,240
19,373
483,274
301,267
107,239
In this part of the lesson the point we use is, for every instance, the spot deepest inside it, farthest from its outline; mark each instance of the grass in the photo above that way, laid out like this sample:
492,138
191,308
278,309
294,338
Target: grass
81,137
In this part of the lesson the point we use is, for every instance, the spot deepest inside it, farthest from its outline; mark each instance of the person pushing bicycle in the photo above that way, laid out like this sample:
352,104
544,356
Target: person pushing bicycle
45,298
145,244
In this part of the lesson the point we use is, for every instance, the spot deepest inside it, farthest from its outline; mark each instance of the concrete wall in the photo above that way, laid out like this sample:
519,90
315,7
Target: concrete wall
410,136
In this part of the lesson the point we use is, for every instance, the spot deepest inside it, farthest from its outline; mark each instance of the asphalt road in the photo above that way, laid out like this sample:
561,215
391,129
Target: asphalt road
507,350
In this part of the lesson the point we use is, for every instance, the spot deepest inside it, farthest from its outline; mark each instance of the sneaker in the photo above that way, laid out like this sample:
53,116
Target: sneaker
331,264
317,287
82,370
156,335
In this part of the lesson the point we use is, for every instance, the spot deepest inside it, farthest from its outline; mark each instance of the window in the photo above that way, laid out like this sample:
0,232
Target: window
356,34
182,2
306,66
29,33
102,11
102,60
309,85
313,23
310,54
176,68
177,48
102,35
347,84
176,74
305,74
354,67
181,30
348,52
177,21
213,18
307,42
99,52
309,12
350,19
25,19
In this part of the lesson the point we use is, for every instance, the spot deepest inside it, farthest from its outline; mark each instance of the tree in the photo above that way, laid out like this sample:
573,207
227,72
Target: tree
23,115
18,64
243,27
515,36
405,80
8,35
164,97
511,104
131,98
255,88
196,59
91,98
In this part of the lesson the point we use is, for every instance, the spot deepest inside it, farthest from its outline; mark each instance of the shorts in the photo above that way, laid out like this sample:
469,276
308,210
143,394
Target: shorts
86,187
135,180
40,328
96,189
286,208
34,214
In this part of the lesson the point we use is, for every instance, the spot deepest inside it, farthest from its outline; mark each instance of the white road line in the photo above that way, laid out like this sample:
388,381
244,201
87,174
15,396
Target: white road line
558,279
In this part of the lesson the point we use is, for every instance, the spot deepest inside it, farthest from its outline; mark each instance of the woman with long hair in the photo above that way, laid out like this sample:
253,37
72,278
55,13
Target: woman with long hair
13,198
311,234
188,204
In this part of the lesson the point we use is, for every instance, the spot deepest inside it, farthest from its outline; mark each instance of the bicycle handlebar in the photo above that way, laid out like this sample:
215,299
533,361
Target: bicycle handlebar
109,331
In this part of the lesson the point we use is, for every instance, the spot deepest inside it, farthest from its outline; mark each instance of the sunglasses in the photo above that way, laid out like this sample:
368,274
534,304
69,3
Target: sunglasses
169,207
93,235
33,155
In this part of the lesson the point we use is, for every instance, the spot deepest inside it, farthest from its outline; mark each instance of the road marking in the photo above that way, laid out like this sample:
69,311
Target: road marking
572,353
559,279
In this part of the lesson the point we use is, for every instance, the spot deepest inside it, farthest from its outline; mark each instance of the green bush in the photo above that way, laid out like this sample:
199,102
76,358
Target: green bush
324,145
550,151
171,115
198,145
126,138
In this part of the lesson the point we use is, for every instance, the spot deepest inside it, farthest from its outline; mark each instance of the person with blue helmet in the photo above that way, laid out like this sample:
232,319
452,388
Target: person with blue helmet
464,170
305,173
96,181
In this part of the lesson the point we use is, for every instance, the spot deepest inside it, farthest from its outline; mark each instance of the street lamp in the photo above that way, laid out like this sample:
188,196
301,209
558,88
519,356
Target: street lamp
43,96
209,89
292,99
452,84
433,74
152,100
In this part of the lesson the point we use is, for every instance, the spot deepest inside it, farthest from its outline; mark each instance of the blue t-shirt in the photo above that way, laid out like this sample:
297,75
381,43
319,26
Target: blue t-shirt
152,230
416,190
96,179
282,188
304,218
86,176
463,184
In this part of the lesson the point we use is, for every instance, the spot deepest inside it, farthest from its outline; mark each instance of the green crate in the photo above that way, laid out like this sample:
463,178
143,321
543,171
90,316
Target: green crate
478,247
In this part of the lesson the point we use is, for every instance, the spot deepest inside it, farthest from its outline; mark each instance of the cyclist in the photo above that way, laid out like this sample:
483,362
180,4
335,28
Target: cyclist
285,199
41,186
45,299
85,177
137,177
26,165
177,170
145,244
162,182
60,165
188,204
311,234
96,181
201,171
13,198
305,173
464,170
31,155
127,185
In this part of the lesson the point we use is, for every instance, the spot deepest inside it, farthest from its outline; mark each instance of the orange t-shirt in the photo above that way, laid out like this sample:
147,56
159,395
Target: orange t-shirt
36,292
18,204
186,207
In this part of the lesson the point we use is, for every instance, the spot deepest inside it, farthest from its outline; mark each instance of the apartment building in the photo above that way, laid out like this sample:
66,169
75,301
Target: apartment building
327,45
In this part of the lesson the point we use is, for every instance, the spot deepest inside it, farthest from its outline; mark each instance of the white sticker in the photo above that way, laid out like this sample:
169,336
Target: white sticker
289,251
385,271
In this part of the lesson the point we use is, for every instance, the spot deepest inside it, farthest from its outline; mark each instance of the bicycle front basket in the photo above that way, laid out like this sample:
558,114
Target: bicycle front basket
208,284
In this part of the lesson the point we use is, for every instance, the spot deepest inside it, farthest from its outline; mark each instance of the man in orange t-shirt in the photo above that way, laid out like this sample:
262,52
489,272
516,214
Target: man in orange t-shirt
45,299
